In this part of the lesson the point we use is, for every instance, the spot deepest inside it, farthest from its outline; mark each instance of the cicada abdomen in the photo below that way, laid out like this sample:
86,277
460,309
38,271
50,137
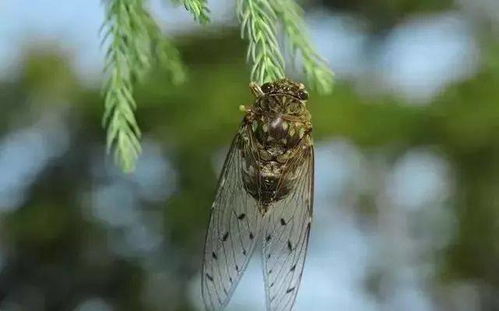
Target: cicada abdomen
264,195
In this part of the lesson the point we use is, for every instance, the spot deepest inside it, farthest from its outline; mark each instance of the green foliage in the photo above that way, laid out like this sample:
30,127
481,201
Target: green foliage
258,21
198,9
258,24
165,53
317,73
135,42
125,59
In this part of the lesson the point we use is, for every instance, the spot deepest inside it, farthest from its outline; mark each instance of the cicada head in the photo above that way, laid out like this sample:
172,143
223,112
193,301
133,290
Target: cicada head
281,96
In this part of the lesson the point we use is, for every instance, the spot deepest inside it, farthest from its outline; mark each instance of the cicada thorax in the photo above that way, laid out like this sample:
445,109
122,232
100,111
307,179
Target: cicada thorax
271,163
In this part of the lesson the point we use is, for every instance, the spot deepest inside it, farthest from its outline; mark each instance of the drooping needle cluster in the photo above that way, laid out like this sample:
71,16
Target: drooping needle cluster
134,42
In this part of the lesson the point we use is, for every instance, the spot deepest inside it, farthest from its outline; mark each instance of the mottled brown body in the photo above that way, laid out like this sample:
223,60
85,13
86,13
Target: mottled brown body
278,127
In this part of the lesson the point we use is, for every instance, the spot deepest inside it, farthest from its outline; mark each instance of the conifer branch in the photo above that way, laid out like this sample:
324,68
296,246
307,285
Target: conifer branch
166,54
258,22
316,70
134,43
198,9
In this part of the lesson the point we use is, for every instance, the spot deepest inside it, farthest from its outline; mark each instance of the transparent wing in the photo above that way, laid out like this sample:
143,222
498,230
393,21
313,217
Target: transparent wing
233,230
286,233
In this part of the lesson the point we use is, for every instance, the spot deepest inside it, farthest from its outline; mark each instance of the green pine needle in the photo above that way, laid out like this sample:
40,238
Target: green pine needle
258,22
125,61
134,43
316,70
198,9
166,54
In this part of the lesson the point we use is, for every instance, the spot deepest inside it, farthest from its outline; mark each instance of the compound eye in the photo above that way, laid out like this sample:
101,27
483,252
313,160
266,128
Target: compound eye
266,87
303,95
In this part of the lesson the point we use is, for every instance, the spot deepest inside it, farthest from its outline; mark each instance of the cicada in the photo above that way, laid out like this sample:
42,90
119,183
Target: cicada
265,197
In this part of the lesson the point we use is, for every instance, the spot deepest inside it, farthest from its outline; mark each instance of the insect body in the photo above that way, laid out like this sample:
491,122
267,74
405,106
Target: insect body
265,193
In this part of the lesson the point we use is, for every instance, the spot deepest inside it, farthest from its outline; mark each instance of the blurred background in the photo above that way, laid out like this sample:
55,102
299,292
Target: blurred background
407,160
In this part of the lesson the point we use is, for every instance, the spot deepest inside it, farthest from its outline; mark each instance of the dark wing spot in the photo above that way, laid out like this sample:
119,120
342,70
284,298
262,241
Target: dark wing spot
230,279
290,247
244,252
214,255
283,222
268,256
270,271
225,291
241,217
237,268
292,268
272,284
209,277
267,238
251,236
225,236
290,290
